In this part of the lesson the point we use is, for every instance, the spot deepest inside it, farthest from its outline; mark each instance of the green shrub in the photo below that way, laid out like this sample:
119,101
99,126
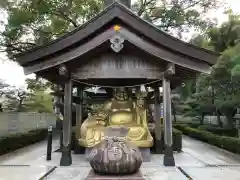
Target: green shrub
219,131
228,143
16,141
191,124
177,140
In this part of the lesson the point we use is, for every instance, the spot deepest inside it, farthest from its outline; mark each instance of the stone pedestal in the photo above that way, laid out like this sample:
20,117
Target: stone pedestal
146,154
168,159
66,159
93,176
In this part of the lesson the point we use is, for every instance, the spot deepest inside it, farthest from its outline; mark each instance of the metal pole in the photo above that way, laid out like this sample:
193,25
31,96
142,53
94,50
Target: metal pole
167,111
49,144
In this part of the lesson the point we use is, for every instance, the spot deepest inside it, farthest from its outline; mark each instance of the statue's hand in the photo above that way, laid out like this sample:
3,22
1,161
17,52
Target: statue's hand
94,136
101,122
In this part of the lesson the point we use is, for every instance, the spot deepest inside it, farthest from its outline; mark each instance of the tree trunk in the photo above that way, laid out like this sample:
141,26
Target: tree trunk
230,113
1,109
230,122
219,119
175,118
19,107
174,112
202,119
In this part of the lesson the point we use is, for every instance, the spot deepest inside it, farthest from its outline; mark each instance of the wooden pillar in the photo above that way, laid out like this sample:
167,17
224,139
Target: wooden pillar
66,159
79,119
57,100
158,126
167,111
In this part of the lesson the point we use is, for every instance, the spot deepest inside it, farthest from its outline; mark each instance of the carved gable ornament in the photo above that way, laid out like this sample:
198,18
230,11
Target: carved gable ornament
117,43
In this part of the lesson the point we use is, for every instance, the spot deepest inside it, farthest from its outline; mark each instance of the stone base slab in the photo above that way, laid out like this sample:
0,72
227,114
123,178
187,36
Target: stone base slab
93,176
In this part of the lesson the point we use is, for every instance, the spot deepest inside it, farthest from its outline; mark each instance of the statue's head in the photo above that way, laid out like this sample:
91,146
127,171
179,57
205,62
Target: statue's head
121,94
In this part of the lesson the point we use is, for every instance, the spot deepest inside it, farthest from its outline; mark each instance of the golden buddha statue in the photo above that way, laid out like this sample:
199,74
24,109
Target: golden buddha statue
120,111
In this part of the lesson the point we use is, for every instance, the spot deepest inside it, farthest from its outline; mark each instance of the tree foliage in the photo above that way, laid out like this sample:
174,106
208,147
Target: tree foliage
227,82
177,15
40,99
227,36
3,87
36,22
220,38
15,99
36,98
221,88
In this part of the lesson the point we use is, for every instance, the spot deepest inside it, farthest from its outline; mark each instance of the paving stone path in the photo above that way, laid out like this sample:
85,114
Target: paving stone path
198,161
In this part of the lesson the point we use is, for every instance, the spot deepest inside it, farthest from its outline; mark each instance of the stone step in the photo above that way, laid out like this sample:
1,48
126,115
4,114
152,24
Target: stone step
82,173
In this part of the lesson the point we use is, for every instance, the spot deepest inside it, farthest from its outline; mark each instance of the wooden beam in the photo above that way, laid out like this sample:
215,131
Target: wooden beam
99,101
159,52
119,66
73,54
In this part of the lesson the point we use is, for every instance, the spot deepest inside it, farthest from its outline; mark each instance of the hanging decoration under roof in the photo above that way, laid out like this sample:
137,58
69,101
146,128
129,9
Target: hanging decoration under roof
143,87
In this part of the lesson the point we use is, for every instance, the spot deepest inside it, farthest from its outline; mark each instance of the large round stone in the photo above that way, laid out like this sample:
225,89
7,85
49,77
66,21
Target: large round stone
114,155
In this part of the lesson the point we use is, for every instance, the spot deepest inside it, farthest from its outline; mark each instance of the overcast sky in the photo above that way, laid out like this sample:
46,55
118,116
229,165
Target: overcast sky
13,73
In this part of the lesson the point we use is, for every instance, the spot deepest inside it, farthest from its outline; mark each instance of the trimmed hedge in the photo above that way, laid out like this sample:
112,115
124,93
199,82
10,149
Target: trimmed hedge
219,131
192,125
17,141
229,143
211,128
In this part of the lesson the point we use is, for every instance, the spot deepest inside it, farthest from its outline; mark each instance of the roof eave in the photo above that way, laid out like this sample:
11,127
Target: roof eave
116,10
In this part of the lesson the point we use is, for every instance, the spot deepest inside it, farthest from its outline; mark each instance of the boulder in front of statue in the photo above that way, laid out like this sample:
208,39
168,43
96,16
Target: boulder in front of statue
114,155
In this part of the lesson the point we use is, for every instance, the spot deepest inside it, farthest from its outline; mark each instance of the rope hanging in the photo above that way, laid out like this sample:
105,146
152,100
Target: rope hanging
113,87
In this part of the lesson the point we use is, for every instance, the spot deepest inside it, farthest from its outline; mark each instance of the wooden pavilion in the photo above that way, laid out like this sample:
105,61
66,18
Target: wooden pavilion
117,48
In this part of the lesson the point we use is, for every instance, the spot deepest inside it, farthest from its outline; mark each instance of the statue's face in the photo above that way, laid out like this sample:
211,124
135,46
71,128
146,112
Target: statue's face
121,94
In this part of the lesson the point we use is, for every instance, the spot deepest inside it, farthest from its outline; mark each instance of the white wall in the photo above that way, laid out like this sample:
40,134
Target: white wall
19,122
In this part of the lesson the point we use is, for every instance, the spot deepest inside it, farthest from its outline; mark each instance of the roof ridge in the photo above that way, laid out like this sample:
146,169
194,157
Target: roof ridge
109,13
34,48
163,32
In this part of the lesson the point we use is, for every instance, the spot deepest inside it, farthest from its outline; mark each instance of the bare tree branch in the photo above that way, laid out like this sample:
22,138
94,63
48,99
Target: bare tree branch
64,16
60,13
144,4
192,5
